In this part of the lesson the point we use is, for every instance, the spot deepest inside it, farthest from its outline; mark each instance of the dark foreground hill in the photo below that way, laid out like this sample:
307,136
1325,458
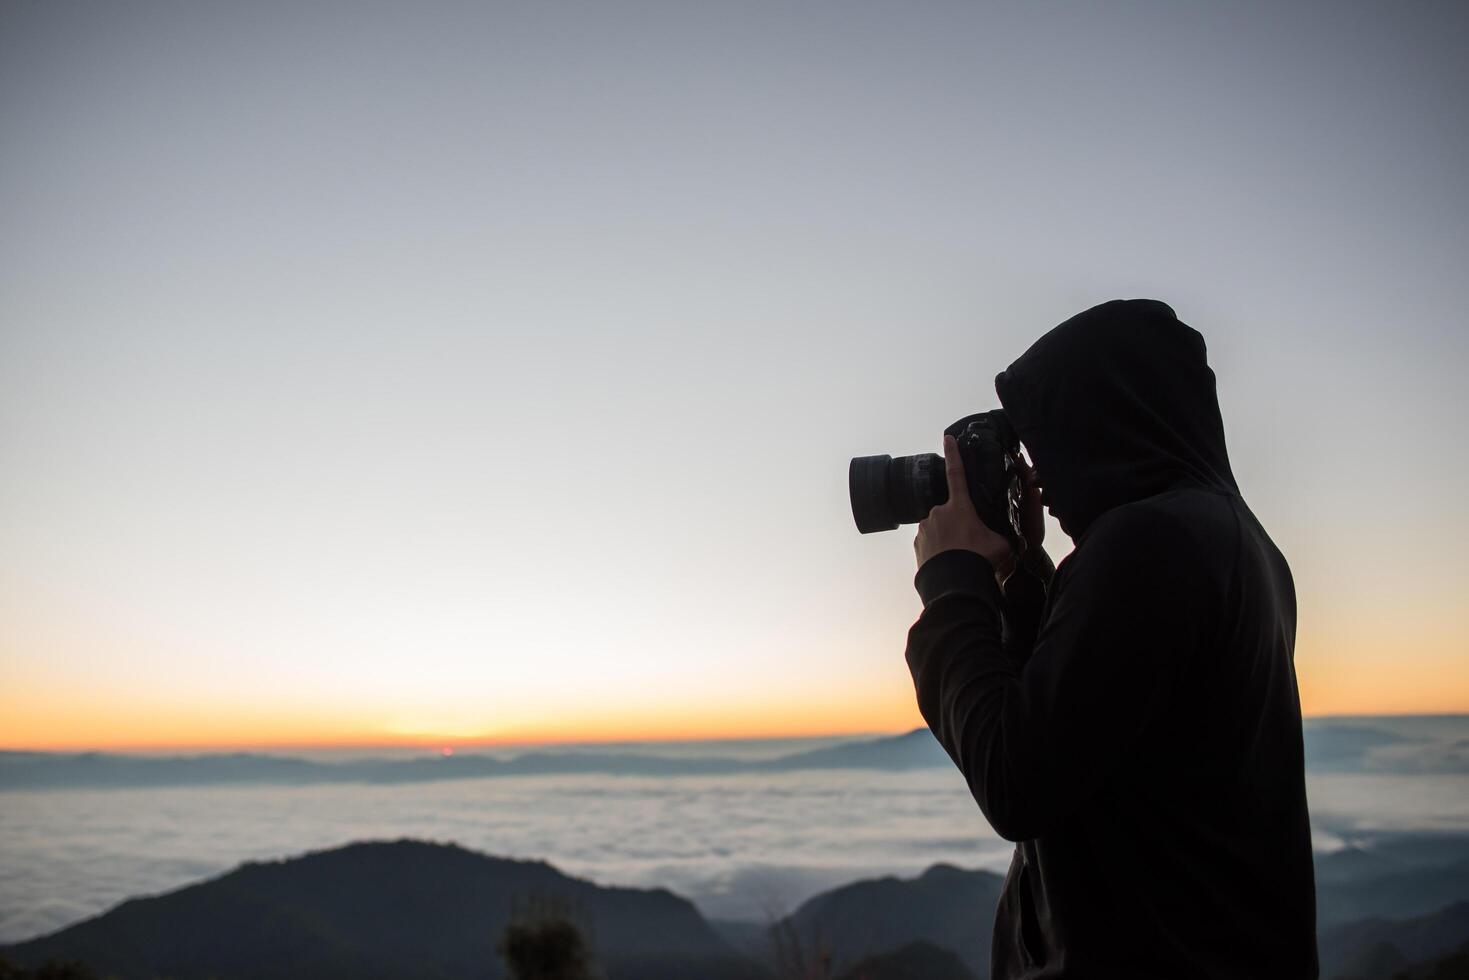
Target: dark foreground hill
1402,900
1378,949
433,912
381,910
1397,876
945,906
915,961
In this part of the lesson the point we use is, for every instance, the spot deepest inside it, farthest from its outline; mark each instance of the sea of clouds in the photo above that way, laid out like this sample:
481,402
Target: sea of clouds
741,846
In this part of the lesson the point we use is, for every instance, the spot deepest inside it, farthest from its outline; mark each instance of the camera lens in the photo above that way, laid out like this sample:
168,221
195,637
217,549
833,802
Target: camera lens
887,492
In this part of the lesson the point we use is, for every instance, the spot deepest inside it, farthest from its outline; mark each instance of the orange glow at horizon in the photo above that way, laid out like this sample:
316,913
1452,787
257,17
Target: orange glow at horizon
1351,685
155,727
535,429
135,728
1347,664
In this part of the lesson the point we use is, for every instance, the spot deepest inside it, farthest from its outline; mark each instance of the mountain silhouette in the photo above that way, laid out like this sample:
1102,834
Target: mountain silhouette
945,906
1331,746
917,749
57,770
1380,947
405,909
422,911
1393,877
915,961
1402,900
1452,966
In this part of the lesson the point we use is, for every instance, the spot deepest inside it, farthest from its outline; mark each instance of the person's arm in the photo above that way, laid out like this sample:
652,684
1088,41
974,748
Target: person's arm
1035,740
1025,602
1038,564
1029,579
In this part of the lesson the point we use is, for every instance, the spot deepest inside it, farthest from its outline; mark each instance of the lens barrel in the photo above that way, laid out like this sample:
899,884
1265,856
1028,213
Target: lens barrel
887,492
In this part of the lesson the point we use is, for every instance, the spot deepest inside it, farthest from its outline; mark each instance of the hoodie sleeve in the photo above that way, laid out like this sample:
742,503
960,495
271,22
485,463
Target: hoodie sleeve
1036,737
1025,601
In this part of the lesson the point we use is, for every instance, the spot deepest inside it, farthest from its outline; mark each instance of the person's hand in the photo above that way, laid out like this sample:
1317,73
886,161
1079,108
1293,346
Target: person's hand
1032,517
954,525
1032,511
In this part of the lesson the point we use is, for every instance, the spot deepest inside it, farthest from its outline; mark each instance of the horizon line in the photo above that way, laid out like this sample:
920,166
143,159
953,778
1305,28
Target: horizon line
454,745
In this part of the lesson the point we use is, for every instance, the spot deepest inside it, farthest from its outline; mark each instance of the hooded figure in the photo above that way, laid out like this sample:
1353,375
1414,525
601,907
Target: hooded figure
1132,722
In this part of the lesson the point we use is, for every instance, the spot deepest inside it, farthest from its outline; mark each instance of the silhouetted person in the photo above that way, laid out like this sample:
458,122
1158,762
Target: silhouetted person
1132,722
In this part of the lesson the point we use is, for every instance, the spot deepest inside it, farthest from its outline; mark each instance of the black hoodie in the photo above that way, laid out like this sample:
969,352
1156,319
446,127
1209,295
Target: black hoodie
1133,724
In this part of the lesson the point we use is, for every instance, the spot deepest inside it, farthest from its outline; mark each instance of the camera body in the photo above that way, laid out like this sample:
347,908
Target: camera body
887,491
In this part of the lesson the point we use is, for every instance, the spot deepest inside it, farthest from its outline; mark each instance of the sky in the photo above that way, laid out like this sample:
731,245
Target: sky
487,372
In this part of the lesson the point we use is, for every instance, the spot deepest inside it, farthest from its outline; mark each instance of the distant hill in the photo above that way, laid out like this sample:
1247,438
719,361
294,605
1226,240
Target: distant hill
1400,901
397,910
1375,948
916,750
915,961
1429,745
1347,747
1404,893
1397,876
44,770
1451,966
945,906
1332,745
417,911
47,770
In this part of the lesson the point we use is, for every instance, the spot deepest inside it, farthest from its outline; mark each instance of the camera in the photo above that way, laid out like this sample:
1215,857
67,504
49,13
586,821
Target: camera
887,492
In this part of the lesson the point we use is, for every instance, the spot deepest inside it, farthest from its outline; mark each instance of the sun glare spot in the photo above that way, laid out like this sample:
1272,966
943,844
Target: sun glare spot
447,751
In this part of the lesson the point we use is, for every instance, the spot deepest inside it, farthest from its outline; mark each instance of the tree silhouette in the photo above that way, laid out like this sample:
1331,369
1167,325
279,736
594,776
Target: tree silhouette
544,942
51,970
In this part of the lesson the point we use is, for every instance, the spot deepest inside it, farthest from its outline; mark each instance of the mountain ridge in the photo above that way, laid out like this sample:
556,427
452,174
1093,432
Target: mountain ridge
32,770
418,910
1332,746
399,909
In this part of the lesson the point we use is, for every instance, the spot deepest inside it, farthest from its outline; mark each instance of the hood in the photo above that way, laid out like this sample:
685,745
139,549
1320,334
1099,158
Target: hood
1115,405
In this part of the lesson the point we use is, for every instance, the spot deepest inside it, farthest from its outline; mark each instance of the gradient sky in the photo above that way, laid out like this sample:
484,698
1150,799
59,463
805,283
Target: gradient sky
451,371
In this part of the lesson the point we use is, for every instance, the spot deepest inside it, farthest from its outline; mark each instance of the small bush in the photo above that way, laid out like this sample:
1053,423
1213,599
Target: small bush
547,946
